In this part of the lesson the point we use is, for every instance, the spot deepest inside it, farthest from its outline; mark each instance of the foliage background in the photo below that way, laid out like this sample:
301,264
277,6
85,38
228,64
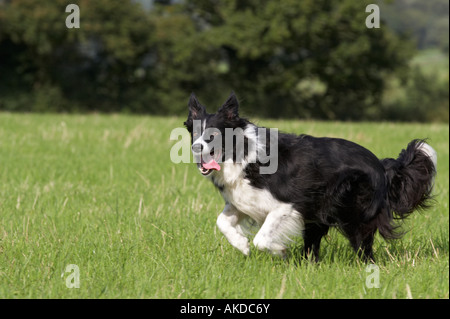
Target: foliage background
312,59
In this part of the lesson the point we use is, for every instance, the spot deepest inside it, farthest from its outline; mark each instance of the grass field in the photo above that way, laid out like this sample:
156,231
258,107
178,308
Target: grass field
100,192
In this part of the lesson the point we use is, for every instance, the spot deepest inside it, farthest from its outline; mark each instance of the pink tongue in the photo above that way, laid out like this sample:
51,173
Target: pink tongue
212,165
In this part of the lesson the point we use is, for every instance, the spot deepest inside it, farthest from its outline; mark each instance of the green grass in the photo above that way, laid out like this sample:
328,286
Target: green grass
101,192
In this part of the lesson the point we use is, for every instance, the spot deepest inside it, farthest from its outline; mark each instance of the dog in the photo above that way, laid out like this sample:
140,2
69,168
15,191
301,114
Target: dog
318,183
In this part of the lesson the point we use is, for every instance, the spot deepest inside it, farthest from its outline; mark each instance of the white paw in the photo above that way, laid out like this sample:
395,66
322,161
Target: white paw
263,243
246,250
242,245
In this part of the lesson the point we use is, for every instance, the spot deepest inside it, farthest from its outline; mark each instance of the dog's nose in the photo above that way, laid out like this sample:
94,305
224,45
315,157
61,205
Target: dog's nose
197,148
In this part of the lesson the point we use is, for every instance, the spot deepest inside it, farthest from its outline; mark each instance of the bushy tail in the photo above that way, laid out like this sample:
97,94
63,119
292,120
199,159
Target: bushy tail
411,178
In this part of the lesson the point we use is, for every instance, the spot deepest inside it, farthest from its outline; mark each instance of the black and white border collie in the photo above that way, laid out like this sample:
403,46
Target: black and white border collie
318,183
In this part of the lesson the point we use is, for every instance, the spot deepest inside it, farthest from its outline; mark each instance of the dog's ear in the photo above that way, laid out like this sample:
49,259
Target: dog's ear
231,107
196,110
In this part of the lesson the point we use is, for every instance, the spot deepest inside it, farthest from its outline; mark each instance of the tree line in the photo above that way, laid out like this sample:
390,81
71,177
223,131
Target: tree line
283,58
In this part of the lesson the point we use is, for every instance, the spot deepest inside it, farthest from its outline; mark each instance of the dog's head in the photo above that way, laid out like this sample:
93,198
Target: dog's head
208,132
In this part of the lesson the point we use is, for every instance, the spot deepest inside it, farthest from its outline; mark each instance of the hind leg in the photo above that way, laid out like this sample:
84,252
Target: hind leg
362,242
366,250
312,236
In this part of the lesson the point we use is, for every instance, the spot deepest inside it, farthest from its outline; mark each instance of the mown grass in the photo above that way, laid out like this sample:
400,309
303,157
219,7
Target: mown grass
101,192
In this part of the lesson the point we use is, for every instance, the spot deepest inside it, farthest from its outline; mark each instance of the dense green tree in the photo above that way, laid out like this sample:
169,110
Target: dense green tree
283,58
94,67
312,58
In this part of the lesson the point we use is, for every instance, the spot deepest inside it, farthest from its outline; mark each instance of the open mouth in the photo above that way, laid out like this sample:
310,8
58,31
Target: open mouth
209,163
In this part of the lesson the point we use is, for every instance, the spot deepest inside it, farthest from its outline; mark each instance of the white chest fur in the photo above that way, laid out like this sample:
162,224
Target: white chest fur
236,190
253,202
279,221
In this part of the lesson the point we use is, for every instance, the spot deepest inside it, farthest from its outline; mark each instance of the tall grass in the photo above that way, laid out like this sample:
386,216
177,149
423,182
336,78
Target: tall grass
101,192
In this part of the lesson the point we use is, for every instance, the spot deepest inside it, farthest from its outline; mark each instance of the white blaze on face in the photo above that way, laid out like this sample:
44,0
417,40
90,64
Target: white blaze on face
198,142
206,154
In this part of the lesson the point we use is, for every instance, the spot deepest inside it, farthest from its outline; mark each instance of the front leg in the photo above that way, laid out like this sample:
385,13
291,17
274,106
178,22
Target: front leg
227,222
280,226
